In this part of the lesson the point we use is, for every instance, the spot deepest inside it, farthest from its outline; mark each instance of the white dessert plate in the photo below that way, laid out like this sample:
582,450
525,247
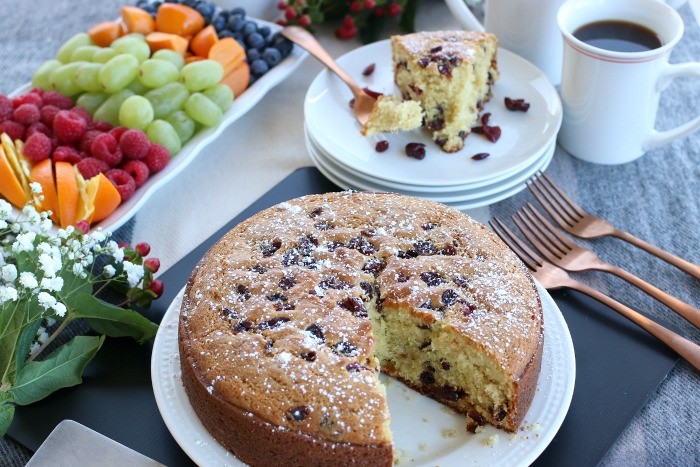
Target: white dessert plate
524,134
425,432
241,105
462,202
441,194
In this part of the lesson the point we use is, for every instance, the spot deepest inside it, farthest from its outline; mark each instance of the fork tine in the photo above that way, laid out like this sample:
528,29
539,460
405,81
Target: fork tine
531,259
546,227
536,187
542,238
567,202
536,239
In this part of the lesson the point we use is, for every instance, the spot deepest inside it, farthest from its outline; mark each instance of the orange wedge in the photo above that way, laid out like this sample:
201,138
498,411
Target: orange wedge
67,190
10,187
42,173
98,198
19,164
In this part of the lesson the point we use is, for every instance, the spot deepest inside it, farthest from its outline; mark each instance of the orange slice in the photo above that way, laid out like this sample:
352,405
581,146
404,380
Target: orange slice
42,173
67,190
20,165
10,187
98,198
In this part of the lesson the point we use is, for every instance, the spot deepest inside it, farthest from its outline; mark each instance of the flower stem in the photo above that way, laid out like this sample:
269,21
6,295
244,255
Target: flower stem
53,336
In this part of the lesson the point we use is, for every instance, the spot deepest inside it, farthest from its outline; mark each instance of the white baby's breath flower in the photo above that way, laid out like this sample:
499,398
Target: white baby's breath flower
9,273
77,268
3,223
5,209
98,236
134,273
118,255
46,300
7,294
109,271
60,309
52,284
42,336
28,280
35,346
48,265
35,187
31,214
24,242
50,322
45,225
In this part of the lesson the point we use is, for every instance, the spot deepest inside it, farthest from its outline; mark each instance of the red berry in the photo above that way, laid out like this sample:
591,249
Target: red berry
37,127
369,4
13,129
37,91
346,33
48,114
105,147
123,182
68,127
29,98
281,22
56,99
118,131
151,264
100,126
290,13
6,107
66,154
157,158
143,248
348,22
379,11
91,166
282,5
88,137
82,225
305,20
38,147
393,9
156,287
83,113
137,169
134,144
355,6
26,114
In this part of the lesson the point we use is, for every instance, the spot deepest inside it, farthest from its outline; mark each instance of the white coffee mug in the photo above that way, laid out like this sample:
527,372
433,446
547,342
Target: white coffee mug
610,98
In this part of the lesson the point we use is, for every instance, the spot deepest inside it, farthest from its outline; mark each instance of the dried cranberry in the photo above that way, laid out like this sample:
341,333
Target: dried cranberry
308,356
429,226
269,249
415,150
449,296
367,289
243,292
425,247
372,94
345,348
481,155
492,133
427,378
374,266
381,146
355,367
517,104
316,212
369,70
299,414
355,306
431,278
243,326
468,309
273,323
316,331
287,282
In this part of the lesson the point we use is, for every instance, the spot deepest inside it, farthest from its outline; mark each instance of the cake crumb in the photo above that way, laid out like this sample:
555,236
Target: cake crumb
449,433
447,410
479,429
423,446
490,441
425,420
536,426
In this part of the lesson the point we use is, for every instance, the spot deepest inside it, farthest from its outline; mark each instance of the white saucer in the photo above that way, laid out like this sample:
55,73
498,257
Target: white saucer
525,134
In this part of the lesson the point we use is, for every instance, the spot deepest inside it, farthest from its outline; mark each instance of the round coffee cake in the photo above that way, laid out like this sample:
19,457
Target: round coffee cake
288,319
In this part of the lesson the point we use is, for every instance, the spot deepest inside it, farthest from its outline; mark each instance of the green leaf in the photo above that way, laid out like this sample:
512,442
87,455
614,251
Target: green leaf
371,30
11,320
408,17
25,342
7,411
112,320
63,368
315,14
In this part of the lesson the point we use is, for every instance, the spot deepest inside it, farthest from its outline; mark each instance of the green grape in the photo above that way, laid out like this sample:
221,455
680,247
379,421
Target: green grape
167,99
66,50
202,74
86,77
184,125
117,73
131,35
170,56
202,110
157,73
90,101
84,53
136,112
62,79
41,76
163,133
138,87
220,95
109,110
104,55
132,45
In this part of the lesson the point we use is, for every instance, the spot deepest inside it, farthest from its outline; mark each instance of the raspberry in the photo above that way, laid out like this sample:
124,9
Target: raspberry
26,114
68,127
56,99
134,144
123,182
29,98
138,170
88,137
37,148
99,126
82,112
91,166
37,91
118,131
106,148
157,158
48,113
13,129
66,154
6,108
37,127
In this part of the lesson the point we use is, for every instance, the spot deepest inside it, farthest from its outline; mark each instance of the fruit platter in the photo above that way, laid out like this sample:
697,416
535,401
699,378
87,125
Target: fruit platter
125,106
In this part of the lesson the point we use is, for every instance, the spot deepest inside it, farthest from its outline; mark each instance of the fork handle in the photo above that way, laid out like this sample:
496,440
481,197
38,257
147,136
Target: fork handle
687,311
682,346
680,263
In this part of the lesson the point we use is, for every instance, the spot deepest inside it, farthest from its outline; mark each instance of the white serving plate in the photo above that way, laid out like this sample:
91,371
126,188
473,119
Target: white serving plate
524,134
241,105
419,424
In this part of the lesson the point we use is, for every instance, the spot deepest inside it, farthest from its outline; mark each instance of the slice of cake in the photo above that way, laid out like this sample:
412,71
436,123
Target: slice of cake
391,114
451,74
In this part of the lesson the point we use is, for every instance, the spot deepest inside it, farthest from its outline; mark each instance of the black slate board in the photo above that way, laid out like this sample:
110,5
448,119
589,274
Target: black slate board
618,368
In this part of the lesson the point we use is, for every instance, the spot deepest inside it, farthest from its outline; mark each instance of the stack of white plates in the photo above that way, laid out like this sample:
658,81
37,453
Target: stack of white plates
351,161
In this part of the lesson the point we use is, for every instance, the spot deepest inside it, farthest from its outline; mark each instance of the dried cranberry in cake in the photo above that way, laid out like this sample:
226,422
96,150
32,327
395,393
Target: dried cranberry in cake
299,414
287,282
431,278
355,306
316,331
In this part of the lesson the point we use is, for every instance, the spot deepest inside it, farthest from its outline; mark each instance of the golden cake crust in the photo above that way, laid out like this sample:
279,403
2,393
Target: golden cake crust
276,346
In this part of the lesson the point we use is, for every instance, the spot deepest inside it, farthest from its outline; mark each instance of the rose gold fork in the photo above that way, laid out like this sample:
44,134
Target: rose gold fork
564,253
364,103
574,220
553,277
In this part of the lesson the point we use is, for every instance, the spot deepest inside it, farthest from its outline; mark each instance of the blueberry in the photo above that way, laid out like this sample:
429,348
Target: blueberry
235,23
255,40
264,31
238,11
259,67
149,9
283,45
239,38
253,54
249,28
224,14
141,3
272,56
219,23
190,3
206,9
225,33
